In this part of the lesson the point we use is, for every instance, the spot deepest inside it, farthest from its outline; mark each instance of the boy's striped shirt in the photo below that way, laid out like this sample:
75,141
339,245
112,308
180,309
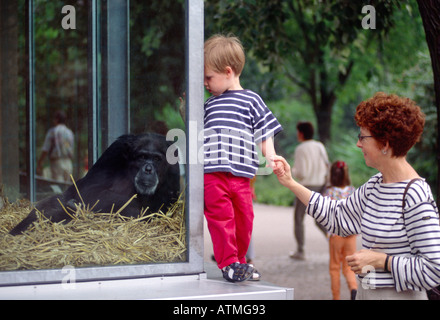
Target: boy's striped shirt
235,122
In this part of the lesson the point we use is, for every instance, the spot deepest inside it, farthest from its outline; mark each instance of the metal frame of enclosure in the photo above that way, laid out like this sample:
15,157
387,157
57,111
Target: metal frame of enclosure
113,95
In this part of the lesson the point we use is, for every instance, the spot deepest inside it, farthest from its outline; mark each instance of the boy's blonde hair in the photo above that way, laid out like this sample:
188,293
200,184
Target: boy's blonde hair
223,51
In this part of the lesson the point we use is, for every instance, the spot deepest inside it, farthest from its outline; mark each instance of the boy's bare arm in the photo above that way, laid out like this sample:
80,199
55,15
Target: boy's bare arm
268,149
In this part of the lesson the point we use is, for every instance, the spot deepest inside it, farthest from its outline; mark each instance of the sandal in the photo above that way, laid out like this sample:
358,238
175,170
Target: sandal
237,272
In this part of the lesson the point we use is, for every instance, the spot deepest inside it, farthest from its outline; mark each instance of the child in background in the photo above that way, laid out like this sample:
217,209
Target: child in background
340,247
235,122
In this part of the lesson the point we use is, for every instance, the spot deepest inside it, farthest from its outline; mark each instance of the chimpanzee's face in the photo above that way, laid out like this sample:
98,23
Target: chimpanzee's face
151,165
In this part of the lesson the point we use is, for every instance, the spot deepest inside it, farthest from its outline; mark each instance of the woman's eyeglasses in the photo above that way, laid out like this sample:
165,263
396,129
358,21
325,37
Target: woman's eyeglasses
361,138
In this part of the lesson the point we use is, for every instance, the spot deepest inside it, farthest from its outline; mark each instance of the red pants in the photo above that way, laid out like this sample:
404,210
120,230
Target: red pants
229,214
340,248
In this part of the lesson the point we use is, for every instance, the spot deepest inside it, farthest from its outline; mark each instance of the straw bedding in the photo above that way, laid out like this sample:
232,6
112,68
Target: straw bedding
92,239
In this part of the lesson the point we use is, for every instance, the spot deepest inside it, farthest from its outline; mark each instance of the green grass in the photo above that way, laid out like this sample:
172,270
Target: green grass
270,191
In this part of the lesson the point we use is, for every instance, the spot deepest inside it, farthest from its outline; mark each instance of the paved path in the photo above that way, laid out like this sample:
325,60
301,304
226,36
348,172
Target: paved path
273,240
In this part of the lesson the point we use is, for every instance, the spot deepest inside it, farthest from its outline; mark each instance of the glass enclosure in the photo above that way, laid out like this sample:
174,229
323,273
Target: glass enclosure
75,76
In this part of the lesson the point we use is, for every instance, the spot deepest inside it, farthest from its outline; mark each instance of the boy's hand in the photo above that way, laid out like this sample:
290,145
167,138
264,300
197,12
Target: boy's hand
284,175
282,170
279,165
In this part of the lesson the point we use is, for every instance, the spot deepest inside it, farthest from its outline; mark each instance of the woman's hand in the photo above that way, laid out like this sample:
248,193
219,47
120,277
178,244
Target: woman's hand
282,170
364,260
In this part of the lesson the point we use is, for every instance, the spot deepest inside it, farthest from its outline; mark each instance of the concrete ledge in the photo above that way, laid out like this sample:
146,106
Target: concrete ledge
188,287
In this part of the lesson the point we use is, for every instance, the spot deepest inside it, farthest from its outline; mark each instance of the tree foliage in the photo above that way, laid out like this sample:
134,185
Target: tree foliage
315,44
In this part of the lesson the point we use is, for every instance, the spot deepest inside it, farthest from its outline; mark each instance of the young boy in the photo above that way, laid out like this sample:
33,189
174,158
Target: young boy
236,120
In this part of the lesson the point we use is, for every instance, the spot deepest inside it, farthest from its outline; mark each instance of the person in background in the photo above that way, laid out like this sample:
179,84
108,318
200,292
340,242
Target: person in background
310,168
340,247
58,147
400,258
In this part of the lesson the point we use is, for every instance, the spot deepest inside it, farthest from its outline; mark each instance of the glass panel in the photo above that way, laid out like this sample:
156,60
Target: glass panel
12,100
157,78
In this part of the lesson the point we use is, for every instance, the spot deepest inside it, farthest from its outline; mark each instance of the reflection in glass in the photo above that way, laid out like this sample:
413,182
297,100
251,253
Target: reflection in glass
157,64
60,96
157,79
61,66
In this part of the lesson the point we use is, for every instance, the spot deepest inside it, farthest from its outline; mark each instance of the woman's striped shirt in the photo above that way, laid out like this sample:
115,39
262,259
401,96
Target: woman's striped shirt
235,122
375,211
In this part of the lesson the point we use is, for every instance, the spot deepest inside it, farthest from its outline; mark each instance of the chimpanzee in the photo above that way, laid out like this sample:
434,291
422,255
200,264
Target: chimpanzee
133,164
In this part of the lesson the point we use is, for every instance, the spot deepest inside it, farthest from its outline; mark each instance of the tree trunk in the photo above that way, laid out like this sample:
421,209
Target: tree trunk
324,119
430,13
323,105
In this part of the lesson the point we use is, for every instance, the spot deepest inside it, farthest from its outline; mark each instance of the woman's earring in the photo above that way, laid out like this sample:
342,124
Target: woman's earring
384,151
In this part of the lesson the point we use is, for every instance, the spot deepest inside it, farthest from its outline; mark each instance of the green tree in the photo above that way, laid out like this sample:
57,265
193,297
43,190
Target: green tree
315,44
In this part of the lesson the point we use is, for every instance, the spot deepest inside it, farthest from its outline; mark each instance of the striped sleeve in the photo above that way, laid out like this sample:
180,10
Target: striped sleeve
421,269
341,217
265,125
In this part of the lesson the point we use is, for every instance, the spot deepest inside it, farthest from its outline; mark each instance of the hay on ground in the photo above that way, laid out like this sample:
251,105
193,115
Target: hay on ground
92,239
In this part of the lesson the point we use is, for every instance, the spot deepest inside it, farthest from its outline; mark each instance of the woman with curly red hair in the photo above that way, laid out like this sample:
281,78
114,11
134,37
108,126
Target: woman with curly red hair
400,230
